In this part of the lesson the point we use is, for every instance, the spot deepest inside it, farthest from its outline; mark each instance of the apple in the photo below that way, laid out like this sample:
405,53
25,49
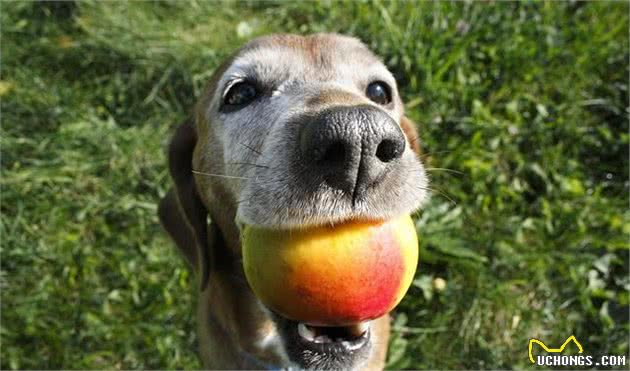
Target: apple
332,275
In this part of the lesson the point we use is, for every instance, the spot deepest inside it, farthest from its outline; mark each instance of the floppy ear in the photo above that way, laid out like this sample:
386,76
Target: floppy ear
409,128
181,211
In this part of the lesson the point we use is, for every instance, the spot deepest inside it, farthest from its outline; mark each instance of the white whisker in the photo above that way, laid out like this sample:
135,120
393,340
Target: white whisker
219,175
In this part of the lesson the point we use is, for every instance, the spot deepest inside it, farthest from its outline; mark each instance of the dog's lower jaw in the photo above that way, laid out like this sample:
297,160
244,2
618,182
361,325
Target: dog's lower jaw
366,354
311,361
280,344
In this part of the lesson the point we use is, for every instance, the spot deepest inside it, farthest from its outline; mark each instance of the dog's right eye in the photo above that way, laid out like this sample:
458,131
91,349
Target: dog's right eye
379,93
240,94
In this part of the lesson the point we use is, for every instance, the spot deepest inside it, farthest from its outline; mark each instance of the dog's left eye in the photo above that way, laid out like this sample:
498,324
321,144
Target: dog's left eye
240,94
379,92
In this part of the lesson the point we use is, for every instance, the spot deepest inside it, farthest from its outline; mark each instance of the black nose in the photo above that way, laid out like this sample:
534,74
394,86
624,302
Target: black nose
351,148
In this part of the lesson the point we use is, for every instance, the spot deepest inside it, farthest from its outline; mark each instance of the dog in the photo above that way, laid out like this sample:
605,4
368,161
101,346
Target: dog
291,131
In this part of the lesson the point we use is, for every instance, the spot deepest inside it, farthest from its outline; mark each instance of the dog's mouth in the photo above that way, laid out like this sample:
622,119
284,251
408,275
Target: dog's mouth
325,347
349,338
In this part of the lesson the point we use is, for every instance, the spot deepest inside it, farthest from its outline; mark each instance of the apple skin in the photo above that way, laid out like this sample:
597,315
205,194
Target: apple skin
332,275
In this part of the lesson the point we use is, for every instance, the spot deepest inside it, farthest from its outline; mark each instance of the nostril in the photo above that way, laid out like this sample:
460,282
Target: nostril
389,150
335,153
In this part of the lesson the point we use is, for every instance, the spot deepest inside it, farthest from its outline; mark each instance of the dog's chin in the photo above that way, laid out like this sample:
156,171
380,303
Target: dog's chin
325,348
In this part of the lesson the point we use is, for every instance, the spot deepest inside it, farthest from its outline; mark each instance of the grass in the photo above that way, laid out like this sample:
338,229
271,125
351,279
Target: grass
527,100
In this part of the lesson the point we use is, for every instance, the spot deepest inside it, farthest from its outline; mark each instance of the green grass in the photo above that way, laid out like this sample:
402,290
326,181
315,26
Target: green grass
527,100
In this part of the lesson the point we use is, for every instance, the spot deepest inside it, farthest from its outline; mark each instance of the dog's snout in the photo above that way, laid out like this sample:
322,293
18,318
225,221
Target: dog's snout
351,148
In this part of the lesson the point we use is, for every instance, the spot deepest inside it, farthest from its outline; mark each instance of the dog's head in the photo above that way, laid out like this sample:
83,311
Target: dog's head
291,132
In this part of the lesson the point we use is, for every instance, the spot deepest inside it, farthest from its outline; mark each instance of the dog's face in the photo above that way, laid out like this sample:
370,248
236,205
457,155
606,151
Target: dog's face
310,132
301,131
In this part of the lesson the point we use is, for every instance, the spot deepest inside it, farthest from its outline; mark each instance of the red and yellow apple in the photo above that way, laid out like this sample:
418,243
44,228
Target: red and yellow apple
332,275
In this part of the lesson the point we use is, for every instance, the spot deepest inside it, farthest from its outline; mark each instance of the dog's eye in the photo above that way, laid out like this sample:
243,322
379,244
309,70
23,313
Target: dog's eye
240,94
379,92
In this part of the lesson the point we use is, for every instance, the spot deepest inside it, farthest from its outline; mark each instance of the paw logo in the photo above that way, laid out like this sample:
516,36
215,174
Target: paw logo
553,350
